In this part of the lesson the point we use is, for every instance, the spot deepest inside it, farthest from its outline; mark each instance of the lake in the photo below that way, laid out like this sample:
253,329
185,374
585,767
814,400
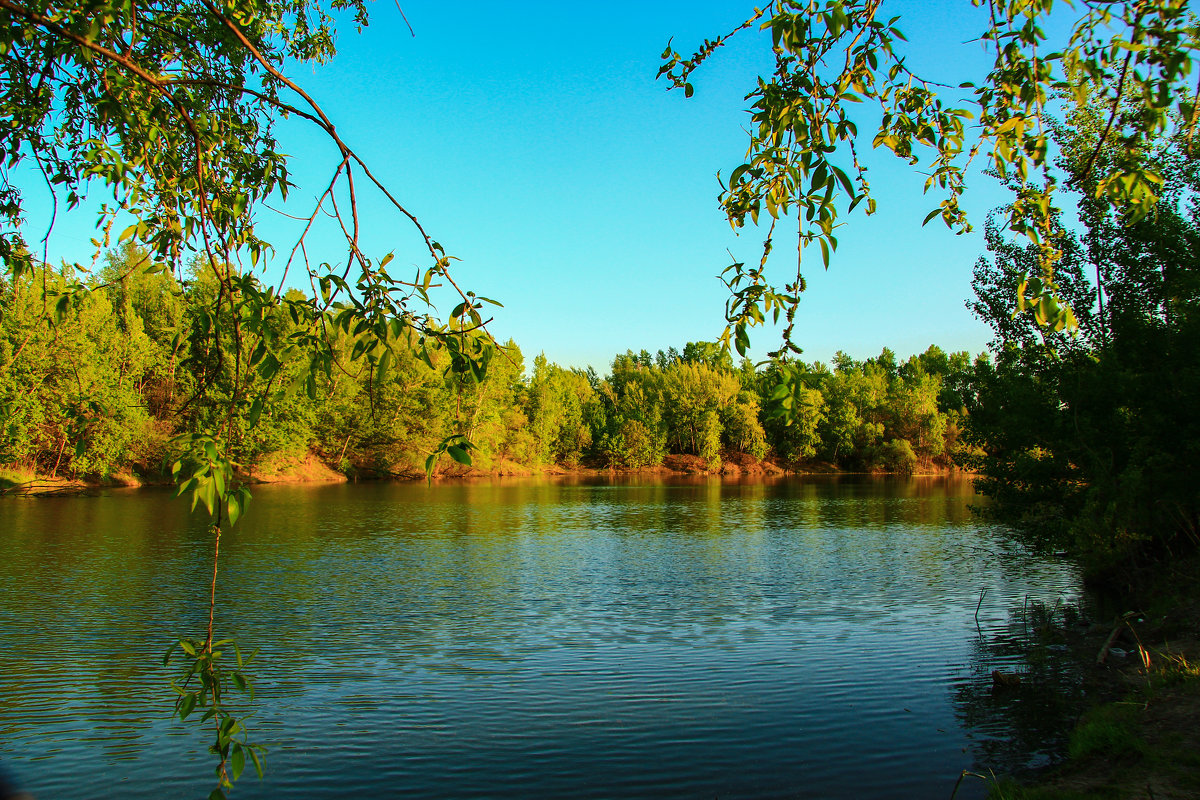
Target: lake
690,638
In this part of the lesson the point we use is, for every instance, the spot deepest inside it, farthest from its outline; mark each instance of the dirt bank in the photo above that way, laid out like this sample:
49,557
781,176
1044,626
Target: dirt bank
1140,736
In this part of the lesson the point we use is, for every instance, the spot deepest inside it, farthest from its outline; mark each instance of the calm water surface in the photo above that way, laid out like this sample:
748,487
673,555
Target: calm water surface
689,639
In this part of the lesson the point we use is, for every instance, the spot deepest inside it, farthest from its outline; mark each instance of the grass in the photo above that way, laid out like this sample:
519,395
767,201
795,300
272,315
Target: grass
1108,731
1173,669
10,477
1007,789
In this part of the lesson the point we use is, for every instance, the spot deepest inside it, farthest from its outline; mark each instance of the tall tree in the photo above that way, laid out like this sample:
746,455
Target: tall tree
1084,442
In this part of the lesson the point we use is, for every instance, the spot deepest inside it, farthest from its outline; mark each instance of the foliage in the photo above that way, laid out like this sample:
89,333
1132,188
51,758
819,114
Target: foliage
366,425
898,456
71,376
839,64
171,110
1087,442
203,683
1107,731
560,402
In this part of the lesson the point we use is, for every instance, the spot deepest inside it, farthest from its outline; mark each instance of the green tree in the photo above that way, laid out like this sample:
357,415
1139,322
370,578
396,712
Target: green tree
559,404
742,426
694,395
915,416
69,380
710,354
1083,443
796,409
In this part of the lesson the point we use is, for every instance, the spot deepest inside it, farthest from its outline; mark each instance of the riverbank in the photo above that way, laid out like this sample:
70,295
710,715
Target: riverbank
309,468
1138,738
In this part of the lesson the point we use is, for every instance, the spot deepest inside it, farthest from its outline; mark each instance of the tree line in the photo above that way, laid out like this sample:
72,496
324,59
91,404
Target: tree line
1085,438
97,384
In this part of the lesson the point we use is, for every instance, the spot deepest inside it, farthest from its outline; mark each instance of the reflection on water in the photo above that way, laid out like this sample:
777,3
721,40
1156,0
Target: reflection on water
583,638
1024,720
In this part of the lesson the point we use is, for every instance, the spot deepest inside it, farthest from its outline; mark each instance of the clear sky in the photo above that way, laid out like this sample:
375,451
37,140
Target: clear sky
533,141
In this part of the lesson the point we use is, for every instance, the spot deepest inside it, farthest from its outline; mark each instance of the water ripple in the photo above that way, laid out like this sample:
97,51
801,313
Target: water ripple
522,639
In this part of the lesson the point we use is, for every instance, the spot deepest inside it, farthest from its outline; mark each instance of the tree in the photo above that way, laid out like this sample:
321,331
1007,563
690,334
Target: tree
796,410
840,64
710,354
741,426
558,406
694,395
1084,443
70,391
171,108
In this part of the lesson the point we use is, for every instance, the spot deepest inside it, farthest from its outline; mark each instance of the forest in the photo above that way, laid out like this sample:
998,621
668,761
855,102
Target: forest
100,394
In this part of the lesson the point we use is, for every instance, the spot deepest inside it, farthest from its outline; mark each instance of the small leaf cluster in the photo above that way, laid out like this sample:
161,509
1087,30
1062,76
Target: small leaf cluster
202,685
204,472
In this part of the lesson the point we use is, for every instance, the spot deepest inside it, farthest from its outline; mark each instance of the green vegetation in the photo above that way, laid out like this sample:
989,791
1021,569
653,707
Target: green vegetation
103,389
840,71
1089,441
1107,731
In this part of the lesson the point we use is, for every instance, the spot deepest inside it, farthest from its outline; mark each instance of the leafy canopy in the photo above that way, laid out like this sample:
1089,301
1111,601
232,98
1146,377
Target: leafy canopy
170,107
840,64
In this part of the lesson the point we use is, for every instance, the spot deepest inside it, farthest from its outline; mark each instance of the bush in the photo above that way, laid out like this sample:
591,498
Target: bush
898,456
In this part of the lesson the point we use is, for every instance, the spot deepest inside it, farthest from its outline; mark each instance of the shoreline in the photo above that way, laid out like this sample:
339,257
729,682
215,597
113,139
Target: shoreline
1137,736
311,469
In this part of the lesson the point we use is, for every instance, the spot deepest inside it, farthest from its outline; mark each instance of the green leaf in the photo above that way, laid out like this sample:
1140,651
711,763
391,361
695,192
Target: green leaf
459,454
233,508
237,761
385,364
257,764
256,408
60,308
208,495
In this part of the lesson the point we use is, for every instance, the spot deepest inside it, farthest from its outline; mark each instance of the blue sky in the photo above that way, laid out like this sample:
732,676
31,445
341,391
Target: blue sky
534,143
